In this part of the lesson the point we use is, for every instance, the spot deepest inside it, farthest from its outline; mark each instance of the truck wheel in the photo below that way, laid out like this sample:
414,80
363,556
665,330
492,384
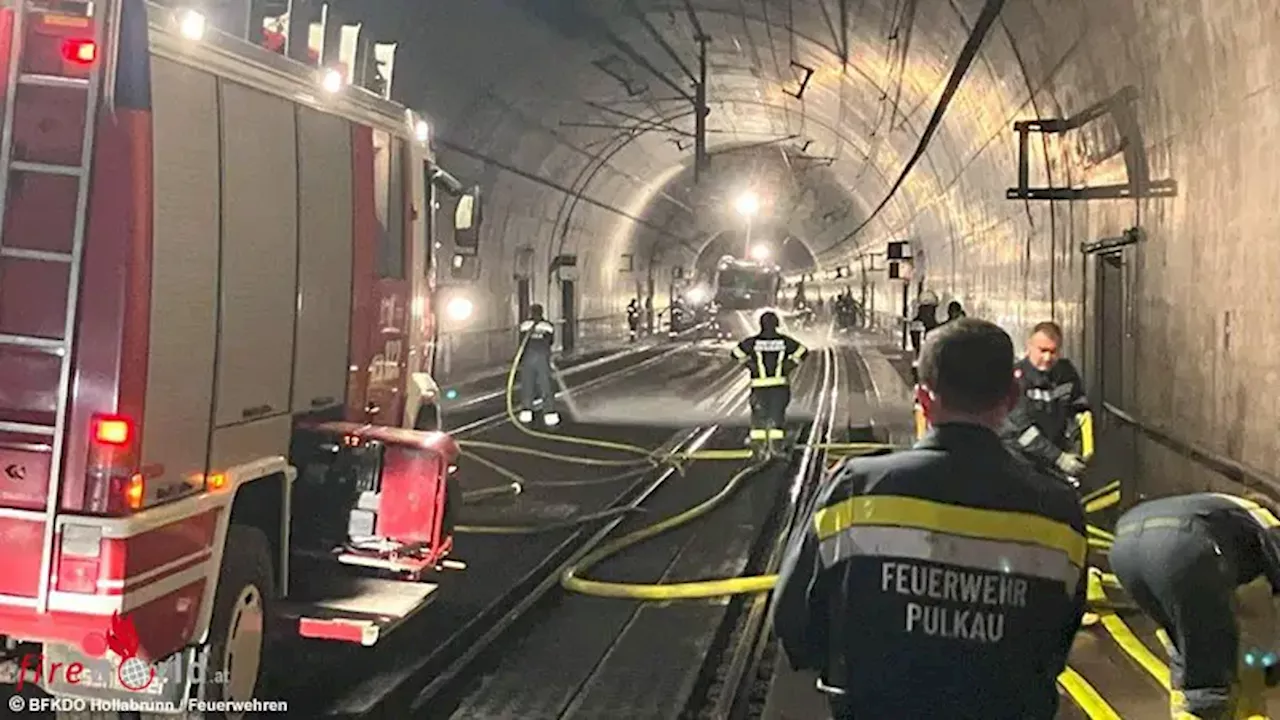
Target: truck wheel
428,419
238,629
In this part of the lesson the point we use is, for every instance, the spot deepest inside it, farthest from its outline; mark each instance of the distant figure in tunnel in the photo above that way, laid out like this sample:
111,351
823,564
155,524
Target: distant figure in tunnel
1185,561
955,311
633,318
770,358
1051,406
537,337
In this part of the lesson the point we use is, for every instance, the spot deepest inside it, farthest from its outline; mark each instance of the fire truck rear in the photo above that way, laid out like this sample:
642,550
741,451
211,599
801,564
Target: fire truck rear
216,342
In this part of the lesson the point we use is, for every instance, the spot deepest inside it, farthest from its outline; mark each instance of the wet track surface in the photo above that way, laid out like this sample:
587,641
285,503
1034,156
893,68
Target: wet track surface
575,656
553,491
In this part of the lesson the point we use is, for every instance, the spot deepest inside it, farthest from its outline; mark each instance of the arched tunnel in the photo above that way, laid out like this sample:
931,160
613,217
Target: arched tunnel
865,122
391,436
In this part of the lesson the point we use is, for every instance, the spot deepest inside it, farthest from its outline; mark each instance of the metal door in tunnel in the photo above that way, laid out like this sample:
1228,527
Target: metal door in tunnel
1111,331
1115,442
524,298
569,315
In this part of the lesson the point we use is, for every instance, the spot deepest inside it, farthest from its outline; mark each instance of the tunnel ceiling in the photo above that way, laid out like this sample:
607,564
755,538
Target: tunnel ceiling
596,97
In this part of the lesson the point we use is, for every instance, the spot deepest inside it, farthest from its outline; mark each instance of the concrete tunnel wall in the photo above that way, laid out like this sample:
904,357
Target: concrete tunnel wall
1200,309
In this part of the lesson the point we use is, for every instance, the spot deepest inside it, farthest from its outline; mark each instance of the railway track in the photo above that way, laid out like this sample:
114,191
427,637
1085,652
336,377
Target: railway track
390,690
515,641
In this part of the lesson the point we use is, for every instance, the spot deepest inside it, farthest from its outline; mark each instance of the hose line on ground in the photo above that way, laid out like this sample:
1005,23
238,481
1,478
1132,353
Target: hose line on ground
571,579
516,487
648,456
652,458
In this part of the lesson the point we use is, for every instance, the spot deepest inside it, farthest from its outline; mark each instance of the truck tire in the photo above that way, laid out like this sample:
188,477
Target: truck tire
239,628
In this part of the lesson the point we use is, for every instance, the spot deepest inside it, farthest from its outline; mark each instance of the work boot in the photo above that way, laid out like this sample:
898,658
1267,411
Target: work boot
525,416
551,419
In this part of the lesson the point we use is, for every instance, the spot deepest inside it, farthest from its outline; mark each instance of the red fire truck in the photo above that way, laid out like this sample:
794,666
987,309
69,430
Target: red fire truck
216,342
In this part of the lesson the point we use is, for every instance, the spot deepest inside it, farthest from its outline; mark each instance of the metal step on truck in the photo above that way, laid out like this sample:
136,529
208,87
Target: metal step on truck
217,326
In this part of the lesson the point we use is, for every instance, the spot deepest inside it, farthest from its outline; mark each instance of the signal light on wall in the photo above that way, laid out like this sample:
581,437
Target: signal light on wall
81,52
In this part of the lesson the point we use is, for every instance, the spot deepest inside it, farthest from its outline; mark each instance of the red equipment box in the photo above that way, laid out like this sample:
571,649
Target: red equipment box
377,495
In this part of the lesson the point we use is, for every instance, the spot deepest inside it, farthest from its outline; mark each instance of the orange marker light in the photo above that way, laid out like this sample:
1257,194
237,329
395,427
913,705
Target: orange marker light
135,491
216,481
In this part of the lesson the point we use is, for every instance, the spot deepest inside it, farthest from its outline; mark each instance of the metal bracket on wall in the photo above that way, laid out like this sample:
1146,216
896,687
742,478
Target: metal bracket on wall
1120,108
1132,236
802,81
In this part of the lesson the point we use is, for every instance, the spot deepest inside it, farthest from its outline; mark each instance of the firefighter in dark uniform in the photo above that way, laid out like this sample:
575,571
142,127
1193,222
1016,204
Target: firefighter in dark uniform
770,358
633,318
946,581
1182,560
1052,407
536,383
925,320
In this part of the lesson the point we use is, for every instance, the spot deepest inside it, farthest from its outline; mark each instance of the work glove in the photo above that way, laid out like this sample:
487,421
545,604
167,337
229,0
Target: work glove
1070,464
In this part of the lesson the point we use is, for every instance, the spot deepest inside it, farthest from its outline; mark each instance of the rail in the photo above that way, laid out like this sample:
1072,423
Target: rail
1206,458
747,656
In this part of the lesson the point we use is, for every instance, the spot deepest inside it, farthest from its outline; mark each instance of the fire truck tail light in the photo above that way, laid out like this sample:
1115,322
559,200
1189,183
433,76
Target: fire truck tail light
81,52
112,430
113,484
135,491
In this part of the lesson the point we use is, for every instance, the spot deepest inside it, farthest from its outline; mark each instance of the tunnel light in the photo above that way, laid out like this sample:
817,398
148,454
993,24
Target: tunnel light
760,253
332,81
459,308
422,131
191,24
748,204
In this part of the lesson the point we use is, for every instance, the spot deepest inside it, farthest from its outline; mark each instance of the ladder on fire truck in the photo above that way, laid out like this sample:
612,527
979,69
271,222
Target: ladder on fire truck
79,52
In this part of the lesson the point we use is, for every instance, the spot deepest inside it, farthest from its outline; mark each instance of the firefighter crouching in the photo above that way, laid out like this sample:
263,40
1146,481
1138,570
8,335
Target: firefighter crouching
946,581
1184,560
1052,407
770,358
537,391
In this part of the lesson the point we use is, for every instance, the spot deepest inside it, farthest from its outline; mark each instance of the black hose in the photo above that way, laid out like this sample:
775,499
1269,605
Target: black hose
990,11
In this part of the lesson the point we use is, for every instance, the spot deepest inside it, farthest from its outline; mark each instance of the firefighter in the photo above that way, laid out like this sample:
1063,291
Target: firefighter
955,311
1183,560
925,320
770,358
677,316
633,318
536,384
1051,401
944,581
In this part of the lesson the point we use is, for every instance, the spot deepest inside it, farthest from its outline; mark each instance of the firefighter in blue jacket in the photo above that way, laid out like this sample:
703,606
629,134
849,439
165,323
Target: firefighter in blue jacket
946,581
1182,560
770,358
537,390
1051,405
